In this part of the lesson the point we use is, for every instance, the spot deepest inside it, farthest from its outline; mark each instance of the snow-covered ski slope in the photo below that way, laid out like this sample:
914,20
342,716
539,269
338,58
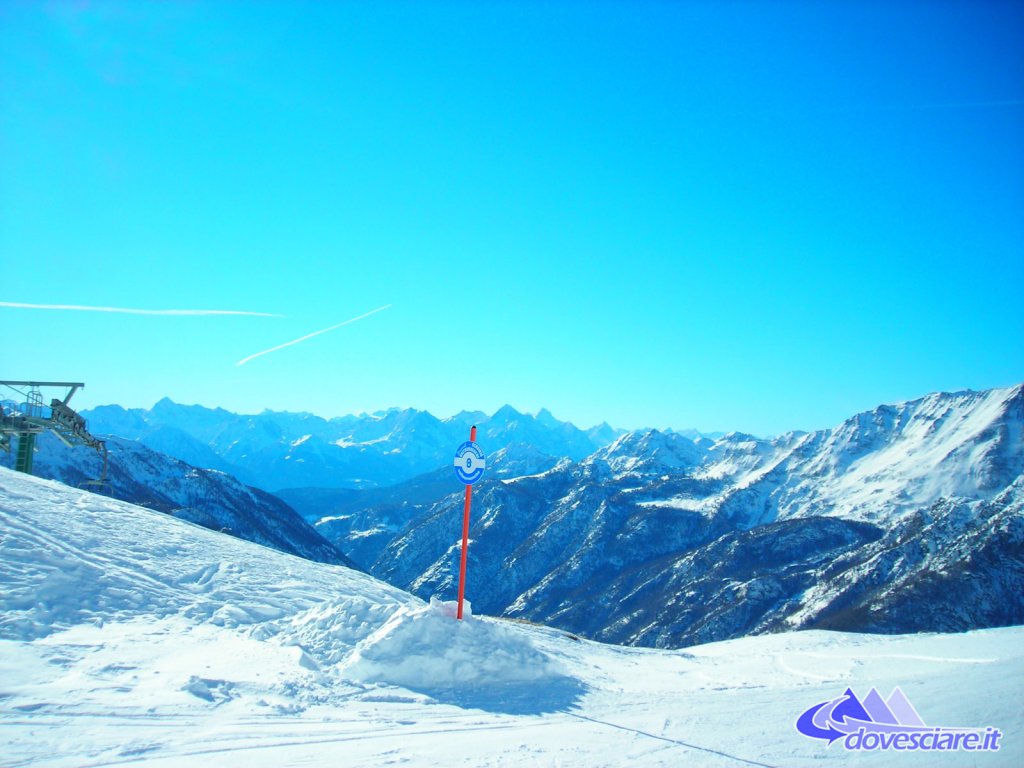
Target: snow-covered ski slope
128,637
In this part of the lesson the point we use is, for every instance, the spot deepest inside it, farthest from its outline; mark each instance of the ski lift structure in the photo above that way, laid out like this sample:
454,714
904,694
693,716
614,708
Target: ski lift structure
28,415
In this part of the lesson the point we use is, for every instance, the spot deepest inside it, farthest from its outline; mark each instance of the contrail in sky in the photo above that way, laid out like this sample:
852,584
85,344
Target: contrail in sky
245,360
130,311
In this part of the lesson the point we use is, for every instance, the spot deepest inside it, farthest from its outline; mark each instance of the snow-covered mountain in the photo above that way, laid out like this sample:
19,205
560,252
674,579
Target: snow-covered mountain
878,465
207,497
888,522
657,538
128,636
275,450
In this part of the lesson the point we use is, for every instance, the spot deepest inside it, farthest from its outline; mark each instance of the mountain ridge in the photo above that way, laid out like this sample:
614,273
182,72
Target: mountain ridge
654,504
277,450
555,538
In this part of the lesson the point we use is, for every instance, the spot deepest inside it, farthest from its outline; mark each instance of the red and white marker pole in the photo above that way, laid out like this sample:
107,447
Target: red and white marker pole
465,536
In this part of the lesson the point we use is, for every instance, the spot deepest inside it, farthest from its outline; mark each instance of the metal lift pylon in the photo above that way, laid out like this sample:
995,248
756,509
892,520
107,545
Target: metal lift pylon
31,417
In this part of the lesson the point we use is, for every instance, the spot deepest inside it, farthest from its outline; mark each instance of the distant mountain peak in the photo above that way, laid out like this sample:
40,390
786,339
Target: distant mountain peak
649,450
740,437
468,418
507,412
545,417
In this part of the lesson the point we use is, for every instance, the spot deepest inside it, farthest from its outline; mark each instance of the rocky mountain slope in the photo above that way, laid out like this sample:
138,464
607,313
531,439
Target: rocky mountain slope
206,497
892,521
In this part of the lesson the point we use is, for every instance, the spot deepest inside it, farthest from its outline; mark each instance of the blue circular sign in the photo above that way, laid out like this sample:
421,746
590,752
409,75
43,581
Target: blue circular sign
469,462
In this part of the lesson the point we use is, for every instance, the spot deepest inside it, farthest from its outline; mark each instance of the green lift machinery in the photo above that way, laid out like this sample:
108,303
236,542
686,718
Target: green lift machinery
28,416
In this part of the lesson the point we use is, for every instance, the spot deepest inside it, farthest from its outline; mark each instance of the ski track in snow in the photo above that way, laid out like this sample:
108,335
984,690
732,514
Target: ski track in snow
128,637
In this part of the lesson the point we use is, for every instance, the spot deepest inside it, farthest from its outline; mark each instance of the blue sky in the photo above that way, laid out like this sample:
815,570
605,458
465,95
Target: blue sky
715,215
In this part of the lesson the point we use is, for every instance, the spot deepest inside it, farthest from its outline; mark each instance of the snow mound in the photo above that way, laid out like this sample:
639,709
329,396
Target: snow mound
328,631
426,649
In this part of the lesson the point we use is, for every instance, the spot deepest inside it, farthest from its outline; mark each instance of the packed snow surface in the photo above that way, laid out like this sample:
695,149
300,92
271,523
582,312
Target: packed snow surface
128,637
